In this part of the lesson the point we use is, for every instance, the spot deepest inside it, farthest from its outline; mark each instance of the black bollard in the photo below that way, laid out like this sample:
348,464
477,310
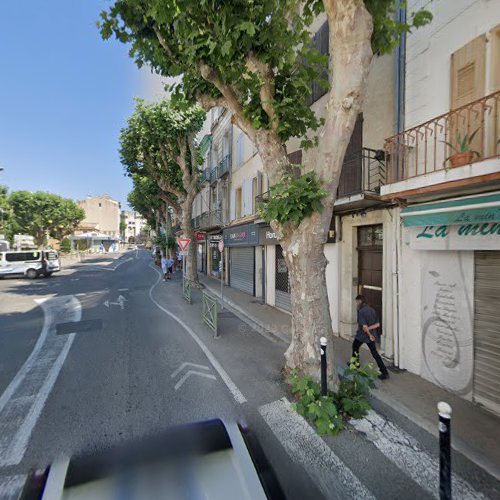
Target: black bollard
444,410
322,342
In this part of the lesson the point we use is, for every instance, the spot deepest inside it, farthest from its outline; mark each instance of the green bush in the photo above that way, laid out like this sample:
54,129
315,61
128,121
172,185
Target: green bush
293,199
328,413
65,246
320,410
354,389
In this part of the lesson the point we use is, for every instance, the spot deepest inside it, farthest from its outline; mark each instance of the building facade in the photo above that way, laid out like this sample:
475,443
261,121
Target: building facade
133,226
444,173
102,214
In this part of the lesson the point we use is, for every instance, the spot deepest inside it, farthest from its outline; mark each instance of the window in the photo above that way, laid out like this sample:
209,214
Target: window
239,149
321,43
22,256
238,203
295,157
370,236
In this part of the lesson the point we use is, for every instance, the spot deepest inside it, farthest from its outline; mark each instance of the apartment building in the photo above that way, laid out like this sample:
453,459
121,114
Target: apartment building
102,214
443,170
134,225
211,206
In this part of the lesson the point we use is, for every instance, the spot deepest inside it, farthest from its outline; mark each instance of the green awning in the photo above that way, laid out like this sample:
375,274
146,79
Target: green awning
205,144
466,210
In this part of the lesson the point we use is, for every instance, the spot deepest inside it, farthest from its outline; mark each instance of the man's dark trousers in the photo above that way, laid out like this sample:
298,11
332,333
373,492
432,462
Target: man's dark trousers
373,349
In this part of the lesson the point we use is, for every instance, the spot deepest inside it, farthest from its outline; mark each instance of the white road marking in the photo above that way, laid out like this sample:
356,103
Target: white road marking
22,402
407,454
307,449
11,487
123,289
237,395
194,365
193,372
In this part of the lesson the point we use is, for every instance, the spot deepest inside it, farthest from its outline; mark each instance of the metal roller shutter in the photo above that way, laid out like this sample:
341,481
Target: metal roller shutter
283,298
486,330
241,270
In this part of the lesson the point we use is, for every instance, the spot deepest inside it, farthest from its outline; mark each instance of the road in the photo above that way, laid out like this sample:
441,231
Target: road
106,350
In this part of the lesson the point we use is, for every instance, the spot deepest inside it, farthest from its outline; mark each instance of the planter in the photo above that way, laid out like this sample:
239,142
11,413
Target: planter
460,159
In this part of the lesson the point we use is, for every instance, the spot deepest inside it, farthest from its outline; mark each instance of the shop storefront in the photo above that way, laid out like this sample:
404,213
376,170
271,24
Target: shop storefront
201,252
240,242
214,256
278,285
456,244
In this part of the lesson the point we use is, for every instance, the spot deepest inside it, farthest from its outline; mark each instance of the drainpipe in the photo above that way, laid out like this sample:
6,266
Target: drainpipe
399,124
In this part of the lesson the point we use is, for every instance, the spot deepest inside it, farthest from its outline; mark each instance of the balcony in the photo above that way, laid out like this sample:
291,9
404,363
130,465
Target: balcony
363,172
448,150
205,175
212,219
222,168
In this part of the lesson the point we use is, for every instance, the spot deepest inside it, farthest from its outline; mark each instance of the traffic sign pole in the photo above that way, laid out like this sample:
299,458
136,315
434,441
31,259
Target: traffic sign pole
184,244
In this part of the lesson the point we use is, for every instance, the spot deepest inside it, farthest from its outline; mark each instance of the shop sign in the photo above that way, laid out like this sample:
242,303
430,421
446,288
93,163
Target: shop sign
214,240
200,236
481,236
247,235
267,236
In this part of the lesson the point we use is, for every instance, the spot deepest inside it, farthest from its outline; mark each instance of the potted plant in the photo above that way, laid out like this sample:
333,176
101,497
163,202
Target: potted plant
462,152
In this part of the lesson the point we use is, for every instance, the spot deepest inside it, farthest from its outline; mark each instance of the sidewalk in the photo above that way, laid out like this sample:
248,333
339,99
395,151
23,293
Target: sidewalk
475,430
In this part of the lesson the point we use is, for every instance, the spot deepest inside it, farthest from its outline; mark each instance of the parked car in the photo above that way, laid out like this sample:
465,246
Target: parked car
29,263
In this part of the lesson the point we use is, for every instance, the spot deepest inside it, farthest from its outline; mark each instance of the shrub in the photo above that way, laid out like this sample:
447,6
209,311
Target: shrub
320,410
328,413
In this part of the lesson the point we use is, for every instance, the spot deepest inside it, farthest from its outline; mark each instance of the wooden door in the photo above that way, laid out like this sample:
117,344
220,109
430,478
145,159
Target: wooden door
370,265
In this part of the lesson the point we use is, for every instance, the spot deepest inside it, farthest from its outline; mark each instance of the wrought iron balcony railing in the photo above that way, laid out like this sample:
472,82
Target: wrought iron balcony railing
221,169
363,172
460,137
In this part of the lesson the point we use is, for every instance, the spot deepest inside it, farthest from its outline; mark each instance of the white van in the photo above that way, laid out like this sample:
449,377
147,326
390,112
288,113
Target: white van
30,263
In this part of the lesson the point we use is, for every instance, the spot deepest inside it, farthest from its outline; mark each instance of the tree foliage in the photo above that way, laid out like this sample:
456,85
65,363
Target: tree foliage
39,212
158,144
242,44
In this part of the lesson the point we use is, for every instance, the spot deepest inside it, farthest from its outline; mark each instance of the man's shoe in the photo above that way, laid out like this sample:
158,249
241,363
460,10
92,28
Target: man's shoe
383,376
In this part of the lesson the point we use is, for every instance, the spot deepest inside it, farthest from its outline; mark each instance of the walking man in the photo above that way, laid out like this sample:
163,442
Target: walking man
170,265
368,329
163,263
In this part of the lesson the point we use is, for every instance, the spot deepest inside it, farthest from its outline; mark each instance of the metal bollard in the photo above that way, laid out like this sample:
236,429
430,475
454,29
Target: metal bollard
322,342
444,411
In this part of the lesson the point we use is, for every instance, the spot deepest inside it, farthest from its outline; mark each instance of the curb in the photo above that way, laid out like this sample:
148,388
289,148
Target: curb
270,334
458,444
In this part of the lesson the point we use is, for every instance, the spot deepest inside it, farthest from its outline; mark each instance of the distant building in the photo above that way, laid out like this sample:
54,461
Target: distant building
102,214
134,225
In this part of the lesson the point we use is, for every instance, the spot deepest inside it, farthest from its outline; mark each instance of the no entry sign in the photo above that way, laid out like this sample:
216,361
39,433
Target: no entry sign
183,242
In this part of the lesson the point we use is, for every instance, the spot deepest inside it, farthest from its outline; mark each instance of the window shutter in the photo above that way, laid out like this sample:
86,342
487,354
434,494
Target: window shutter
468,72
232,205
239,152
259,184
467,85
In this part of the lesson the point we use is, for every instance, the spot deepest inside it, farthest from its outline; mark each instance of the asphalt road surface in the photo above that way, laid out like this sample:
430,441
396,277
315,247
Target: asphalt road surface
106,350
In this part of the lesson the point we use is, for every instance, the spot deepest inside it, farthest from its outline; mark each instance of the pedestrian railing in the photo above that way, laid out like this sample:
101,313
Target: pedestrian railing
186,290
209,311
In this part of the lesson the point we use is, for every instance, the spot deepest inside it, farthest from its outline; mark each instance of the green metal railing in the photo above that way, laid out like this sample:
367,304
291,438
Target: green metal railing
209,311
186,290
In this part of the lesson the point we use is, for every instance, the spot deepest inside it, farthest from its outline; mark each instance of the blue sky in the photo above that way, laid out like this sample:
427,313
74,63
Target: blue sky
64,95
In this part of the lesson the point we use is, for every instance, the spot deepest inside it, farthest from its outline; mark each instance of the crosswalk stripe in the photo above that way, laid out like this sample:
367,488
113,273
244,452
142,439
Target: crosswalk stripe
306,448
407,454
